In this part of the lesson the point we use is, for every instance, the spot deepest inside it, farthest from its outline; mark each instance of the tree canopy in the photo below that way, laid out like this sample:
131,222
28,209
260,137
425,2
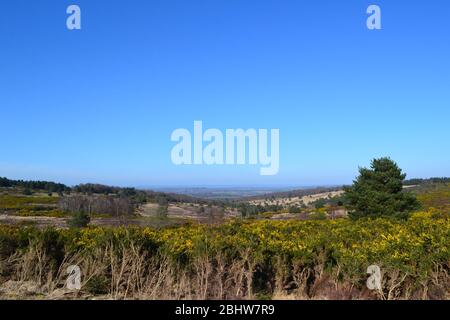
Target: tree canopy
378,191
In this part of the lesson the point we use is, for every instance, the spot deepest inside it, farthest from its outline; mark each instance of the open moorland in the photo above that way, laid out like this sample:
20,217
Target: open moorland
137,244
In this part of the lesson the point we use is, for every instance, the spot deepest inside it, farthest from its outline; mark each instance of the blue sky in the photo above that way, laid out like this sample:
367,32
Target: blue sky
100,104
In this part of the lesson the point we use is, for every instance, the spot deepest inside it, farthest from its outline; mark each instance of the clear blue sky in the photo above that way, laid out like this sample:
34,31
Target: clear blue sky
99,104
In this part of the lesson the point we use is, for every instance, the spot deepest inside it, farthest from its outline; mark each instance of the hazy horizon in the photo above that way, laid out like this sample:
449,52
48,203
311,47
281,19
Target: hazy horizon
158,187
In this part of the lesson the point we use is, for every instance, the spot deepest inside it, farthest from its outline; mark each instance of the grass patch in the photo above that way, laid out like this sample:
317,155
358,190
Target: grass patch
30,206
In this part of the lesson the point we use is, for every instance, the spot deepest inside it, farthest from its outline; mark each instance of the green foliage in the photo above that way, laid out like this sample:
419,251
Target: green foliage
28,206
320,203
18,202
98,284
378,192
248,210
79,220
40,212
318,216
294,209
34,185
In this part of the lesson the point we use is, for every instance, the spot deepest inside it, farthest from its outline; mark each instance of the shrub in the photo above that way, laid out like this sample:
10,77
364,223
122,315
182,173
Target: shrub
294,209
318,216
79,220
98,285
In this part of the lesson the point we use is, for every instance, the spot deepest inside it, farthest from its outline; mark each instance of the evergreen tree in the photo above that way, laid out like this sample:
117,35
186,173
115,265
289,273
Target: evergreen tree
378,191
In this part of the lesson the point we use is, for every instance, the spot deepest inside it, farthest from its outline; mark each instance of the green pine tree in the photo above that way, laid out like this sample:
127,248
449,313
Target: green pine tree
378,192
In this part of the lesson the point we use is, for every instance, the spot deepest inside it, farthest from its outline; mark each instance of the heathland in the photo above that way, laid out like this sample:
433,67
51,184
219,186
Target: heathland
136,244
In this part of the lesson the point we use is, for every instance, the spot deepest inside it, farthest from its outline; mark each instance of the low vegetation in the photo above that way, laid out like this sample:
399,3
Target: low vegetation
274,250
435,197
239,259
30,206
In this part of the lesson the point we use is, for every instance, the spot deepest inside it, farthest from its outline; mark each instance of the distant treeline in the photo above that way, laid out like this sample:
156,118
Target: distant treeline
412,182
138,196
94,188
34,185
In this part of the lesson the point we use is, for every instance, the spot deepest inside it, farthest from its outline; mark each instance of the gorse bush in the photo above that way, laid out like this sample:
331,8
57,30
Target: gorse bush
242,259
